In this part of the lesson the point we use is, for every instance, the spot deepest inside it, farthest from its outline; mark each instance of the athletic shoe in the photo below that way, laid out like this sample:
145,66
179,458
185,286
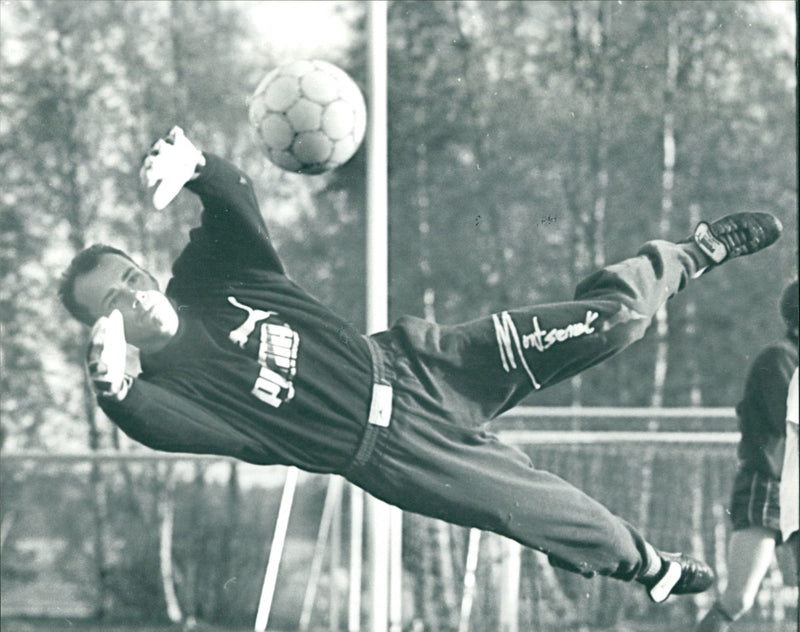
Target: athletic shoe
680,574
736,235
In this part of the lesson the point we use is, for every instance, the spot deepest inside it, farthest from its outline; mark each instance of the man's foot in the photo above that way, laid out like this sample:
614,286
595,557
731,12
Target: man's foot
680,574
736,235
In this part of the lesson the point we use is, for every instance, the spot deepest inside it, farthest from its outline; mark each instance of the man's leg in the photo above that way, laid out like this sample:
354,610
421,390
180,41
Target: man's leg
467,373
750,552
469,477
484,367
614,306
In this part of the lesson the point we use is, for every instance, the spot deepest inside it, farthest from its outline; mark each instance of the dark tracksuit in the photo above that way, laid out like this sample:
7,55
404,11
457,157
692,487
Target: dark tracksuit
261,371
755,500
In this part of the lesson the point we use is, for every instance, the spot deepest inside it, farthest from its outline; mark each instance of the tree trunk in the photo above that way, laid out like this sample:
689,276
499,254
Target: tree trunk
588,240
424,228
9,518
661,364
228,549
580,217
99,510
695,385
430,612
166,514
181,106
600,99
498,259
447,576
194,580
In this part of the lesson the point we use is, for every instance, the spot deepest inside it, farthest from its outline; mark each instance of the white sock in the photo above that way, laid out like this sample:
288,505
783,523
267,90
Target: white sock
653,562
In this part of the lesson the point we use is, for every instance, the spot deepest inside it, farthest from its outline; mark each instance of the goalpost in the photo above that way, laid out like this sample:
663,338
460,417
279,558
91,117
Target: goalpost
384,522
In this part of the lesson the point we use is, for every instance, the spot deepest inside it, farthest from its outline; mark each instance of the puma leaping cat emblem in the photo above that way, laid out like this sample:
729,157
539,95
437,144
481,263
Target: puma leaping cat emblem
240,335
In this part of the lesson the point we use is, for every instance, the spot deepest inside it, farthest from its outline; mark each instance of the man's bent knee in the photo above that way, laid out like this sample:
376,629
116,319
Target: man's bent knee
627,325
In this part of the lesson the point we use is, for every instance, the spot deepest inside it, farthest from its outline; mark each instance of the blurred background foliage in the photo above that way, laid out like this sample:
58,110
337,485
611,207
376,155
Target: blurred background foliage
527,147
530,142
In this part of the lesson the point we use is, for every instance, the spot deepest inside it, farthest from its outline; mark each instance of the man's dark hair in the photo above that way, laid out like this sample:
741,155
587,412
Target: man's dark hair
789,307
85,261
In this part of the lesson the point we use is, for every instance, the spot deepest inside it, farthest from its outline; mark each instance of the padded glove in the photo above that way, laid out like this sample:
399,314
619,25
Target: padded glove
106,355
171,163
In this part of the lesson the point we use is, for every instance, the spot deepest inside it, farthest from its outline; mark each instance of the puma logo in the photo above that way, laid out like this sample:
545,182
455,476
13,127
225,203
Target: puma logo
240,335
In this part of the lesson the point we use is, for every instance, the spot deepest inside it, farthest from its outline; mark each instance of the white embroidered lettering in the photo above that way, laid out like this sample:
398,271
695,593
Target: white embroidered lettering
508,342
503,333
541,339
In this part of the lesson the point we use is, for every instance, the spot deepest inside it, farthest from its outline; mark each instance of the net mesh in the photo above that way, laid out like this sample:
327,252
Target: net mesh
85,537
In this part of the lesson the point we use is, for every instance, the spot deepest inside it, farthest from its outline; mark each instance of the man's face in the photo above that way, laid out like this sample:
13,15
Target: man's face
117,283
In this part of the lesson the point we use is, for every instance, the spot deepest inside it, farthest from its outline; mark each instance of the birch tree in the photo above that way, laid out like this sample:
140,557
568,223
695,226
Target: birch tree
665,224
73,65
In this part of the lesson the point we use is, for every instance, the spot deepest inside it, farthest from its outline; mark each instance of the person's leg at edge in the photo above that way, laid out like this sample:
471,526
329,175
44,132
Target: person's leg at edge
750,552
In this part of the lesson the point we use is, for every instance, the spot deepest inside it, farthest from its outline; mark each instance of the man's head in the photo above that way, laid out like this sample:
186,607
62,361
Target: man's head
789,308
102,278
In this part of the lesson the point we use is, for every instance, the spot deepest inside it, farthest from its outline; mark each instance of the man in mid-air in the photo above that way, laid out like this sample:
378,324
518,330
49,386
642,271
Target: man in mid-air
238,360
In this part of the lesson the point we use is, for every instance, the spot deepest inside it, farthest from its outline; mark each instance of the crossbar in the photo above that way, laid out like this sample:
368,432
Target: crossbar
627,412
581,436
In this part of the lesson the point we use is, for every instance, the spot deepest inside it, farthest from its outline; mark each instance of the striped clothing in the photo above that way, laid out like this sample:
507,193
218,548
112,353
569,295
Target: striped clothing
790,485
755,501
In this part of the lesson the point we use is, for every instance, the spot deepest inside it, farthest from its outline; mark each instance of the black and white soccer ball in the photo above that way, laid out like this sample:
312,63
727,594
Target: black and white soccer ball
310,116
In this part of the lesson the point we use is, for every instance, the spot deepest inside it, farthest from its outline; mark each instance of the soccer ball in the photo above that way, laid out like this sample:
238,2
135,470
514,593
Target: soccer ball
310,116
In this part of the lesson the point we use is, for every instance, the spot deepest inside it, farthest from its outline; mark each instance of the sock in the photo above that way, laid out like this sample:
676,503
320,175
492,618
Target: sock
652,563
716,620
700,259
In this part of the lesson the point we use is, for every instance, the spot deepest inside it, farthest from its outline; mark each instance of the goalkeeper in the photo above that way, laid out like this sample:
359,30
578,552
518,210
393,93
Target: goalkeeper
238,360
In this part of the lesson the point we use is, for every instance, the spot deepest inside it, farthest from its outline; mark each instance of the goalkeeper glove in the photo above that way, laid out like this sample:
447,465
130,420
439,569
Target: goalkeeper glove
171,163
106,355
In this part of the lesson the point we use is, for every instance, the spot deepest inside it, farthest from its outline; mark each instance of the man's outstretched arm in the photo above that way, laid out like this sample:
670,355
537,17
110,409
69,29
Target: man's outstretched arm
231,214
164,420
155,415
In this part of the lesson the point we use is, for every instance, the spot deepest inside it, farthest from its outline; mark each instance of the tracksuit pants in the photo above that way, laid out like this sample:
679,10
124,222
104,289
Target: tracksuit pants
434,459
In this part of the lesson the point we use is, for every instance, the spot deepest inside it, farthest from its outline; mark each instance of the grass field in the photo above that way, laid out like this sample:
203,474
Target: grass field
72,625
66,625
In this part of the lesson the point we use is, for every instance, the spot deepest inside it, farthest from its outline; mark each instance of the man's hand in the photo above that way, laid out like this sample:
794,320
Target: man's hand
105,357
171,163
